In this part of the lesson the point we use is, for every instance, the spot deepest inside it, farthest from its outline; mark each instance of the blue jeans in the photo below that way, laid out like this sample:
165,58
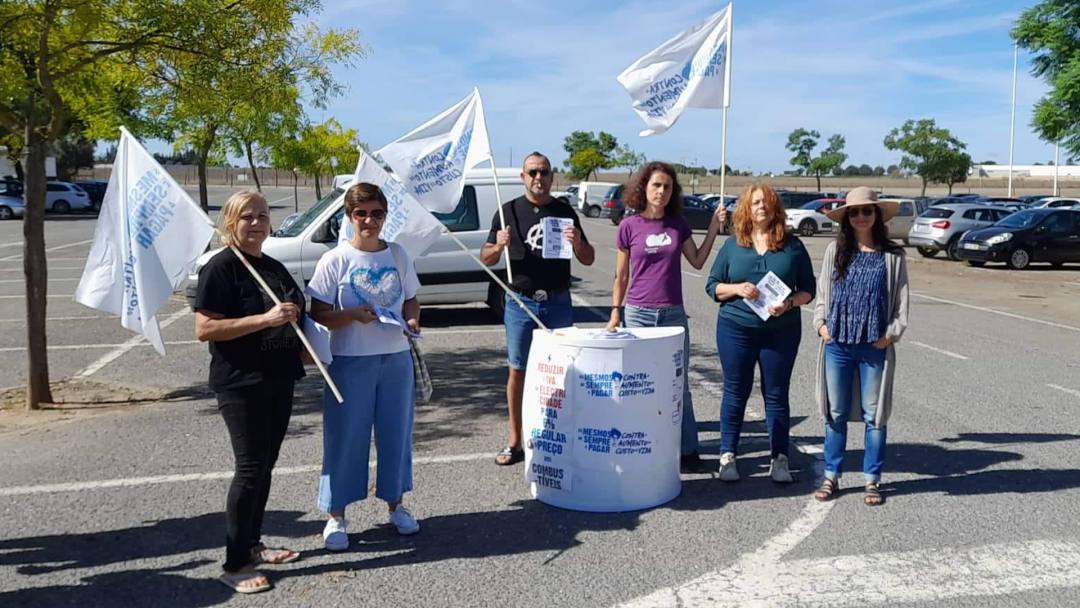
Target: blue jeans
556,311
741,349
841,363
671,316
379,395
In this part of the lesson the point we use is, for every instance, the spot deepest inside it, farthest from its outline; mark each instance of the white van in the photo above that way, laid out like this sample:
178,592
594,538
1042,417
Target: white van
447,274
591,198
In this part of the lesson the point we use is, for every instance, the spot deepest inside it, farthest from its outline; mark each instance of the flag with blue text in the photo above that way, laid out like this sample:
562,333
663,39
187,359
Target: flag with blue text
432,159
148,236
691,70
407,222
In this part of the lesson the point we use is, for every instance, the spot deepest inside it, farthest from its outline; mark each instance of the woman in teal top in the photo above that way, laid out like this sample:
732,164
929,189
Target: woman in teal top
760,245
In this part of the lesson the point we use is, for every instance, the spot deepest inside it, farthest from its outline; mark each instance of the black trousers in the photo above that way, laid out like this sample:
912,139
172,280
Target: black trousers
257,418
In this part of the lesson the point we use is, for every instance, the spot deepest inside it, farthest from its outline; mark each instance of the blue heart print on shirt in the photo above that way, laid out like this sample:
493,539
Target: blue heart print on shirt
376,286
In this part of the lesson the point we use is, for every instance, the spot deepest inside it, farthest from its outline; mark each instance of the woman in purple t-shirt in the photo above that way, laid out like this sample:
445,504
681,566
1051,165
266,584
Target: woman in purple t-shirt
651,246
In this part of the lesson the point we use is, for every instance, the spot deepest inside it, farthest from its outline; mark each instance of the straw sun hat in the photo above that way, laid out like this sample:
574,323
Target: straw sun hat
860,197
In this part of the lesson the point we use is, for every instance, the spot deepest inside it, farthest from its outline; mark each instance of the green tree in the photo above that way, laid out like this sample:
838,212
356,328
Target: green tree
952,169
929,150
628,159
866,170
892,171
578,143
851,171
802,143
315,148
879,171
584,163
1050,31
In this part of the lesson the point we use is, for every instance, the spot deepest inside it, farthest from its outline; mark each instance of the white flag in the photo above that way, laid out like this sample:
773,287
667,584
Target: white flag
432,159
147,238
407,222
692,70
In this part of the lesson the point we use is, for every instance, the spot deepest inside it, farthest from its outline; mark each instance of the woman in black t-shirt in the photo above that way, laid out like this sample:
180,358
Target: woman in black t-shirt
254,364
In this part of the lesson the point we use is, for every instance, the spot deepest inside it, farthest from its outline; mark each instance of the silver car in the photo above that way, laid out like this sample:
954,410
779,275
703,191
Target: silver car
940,227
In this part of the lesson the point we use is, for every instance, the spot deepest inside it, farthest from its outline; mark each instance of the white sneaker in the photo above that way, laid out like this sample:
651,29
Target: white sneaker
728,470
335,536
405,523
778,470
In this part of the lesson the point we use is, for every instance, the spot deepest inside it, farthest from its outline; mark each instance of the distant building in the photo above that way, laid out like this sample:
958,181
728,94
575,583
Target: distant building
7,167
1025,170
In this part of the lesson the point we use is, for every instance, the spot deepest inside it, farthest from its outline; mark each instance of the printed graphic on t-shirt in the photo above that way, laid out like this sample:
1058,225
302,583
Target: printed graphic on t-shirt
653,242
376,286
535,238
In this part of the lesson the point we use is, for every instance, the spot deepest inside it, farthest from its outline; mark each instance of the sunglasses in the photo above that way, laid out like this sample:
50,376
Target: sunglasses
866,211
534,173
375,214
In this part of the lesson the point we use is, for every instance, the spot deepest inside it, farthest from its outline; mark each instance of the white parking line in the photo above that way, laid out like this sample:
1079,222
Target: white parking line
24,280
997,312
160,479
111,356
51,268
48,249
51,295
478,330
53,319
1074,393
18,244
938,350
15,349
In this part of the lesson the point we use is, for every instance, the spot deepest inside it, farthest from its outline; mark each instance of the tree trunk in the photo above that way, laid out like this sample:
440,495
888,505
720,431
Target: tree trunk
35,268
923,186
203,198
950,188
318,186
251,163
818,176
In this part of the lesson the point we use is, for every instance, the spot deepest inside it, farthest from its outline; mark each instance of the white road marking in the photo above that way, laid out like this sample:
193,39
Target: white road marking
997,312
284,198
52,319
51,268
119,351
48,249
51,295
23,280
1074,393
15,349
478,330
18,244
128,482
926,575
938,350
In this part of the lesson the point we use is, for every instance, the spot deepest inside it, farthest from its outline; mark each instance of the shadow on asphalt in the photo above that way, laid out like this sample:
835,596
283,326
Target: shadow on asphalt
142,587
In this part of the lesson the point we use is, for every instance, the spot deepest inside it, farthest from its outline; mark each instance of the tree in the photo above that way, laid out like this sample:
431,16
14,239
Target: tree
314,149
952,169
625,157
879,171
579,142
866,170
892,171
1049,30
837,171
929,151
851,171
802,142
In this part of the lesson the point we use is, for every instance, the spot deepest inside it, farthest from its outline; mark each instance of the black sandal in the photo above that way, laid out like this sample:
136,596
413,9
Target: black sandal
872,495
828,490
509,455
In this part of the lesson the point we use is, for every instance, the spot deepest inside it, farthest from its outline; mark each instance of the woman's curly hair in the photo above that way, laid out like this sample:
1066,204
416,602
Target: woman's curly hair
635,197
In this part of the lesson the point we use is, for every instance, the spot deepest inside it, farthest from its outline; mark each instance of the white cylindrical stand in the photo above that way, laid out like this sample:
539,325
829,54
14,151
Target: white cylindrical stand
602,417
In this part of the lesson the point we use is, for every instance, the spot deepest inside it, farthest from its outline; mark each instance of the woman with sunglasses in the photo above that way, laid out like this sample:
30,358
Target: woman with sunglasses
745,341
861,312
363,290
648,272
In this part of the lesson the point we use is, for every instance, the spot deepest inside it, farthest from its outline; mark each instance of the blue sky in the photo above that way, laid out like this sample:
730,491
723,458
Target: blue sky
545,69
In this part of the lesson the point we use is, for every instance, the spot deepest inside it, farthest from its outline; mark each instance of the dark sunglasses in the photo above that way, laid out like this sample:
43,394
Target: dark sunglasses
533,173
375,214
863,211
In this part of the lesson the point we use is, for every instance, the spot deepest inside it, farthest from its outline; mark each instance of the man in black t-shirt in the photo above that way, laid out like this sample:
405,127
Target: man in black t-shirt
542,284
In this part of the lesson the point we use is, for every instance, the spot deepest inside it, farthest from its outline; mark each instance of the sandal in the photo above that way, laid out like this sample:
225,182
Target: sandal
261,554
245,581
828,490
872,495
509,455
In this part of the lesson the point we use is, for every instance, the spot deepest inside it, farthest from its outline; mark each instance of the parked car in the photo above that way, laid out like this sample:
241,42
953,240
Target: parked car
591,197
1053,202
11,207
95,189
809,219
940,227
447,274
900,226
1048,235
65,197
696,211
794,200
1031,199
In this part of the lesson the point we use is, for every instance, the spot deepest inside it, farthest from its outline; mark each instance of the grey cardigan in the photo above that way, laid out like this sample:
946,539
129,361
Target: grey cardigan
897,279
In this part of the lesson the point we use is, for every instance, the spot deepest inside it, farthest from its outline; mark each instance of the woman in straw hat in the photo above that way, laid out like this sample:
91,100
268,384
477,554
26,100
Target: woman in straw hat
254,364
861,312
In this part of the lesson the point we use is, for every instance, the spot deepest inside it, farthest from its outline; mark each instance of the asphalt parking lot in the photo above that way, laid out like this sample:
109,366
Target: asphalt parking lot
122,505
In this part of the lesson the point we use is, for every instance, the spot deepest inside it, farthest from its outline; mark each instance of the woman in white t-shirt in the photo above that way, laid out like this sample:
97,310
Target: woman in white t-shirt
364,290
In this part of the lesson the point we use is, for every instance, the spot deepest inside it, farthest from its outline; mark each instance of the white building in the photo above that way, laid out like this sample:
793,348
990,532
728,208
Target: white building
1025,171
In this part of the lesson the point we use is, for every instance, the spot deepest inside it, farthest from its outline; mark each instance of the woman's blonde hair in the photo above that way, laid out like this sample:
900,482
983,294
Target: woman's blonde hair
744,222
230,215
